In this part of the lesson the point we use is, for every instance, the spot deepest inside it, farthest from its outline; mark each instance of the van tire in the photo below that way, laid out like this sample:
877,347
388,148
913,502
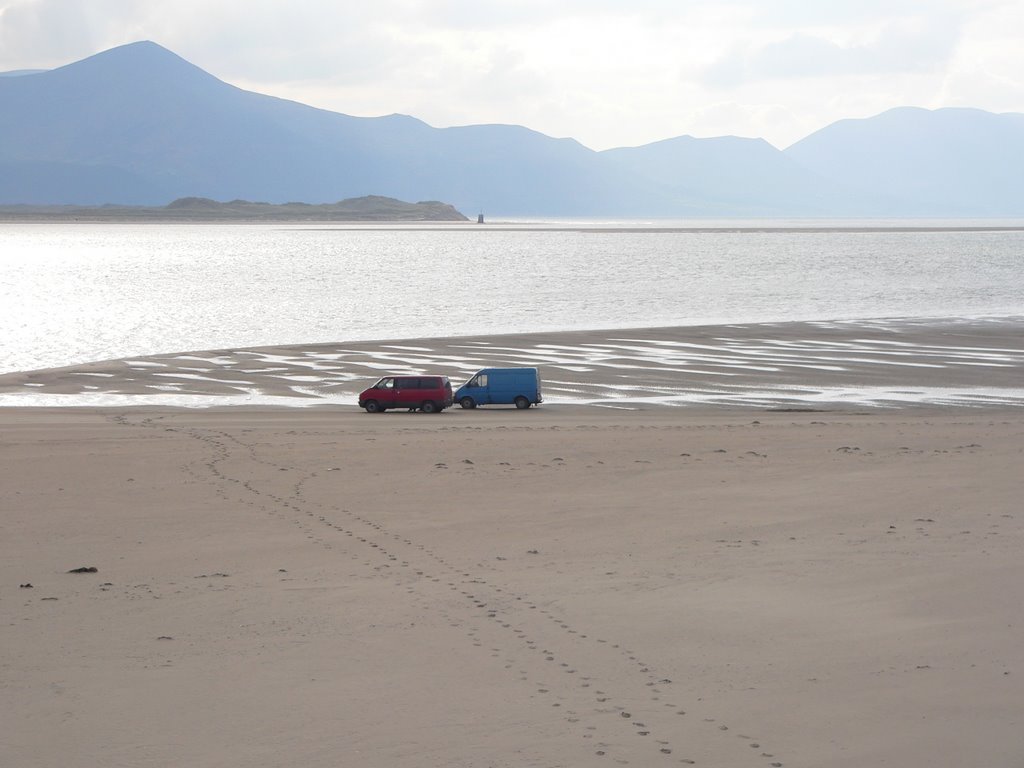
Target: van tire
429,406
522,403
372,406
467,403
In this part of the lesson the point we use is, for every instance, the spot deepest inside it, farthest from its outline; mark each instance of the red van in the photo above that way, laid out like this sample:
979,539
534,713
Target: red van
430,394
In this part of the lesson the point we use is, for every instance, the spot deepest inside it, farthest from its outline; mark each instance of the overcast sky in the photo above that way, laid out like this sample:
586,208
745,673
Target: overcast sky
606,72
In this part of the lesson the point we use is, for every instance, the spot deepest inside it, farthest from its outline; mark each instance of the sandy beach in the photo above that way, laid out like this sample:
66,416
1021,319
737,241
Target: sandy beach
744,581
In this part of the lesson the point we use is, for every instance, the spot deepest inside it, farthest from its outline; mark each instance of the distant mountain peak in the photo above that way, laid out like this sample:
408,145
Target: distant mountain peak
135,61
140,50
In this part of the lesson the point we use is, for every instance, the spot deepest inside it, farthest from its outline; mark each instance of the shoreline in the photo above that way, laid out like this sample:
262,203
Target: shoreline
620,226
886,363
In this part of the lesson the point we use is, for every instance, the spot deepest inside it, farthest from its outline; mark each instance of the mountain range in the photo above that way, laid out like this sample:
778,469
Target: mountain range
139,125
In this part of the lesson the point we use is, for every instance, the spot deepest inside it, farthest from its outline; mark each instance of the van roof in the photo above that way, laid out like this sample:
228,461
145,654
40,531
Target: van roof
517,369
412,376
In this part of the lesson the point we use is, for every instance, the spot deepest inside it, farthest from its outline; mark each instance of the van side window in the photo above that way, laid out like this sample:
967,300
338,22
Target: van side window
405,383
480,380
386,384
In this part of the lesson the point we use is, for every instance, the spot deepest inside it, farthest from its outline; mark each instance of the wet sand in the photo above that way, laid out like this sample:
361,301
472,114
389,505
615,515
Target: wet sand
565,586
863,363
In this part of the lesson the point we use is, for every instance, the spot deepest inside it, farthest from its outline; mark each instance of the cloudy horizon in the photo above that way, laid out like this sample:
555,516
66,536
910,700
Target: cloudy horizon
605,73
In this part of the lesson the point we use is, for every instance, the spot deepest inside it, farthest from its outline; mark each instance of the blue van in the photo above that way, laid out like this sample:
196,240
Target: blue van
501,386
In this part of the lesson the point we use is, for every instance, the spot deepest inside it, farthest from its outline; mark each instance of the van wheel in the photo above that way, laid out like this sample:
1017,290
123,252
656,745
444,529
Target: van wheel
429,406
372,406
522,402
467,403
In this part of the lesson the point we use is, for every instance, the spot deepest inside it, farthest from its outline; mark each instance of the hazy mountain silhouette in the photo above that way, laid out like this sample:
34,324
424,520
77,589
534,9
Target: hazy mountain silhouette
743,176
947,162
140,120
138,125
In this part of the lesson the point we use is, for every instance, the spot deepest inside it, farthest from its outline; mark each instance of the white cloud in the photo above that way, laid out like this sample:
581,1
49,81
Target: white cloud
606,72
920,44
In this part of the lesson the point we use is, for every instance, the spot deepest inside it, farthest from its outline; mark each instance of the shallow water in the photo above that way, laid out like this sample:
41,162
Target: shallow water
877,364
77,292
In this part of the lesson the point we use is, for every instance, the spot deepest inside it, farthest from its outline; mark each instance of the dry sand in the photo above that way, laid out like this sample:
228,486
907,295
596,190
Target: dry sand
563,586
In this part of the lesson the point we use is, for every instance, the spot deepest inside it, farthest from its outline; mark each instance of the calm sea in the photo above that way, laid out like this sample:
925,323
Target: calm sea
77,292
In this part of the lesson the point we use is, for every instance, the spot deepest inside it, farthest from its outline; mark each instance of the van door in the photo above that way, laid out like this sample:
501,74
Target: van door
384,392
407,392
477,389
